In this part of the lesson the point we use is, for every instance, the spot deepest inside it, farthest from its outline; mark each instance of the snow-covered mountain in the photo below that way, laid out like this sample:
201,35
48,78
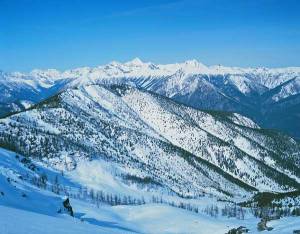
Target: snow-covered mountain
20,91
269,96
156,140
135,136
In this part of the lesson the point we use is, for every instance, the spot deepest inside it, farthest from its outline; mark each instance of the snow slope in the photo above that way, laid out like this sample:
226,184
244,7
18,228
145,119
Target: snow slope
36,212
88,129
163,144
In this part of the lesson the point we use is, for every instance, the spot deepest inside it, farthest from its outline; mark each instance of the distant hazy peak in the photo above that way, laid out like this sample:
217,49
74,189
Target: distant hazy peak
135,62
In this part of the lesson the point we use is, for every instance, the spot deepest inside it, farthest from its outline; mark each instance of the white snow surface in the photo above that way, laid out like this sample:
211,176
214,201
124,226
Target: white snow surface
37,212
139,69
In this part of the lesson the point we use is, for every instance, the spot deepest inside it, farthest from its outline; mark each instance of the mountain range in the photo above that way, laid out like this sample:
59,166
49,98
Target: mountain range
157,141
129,143
164,123
268,96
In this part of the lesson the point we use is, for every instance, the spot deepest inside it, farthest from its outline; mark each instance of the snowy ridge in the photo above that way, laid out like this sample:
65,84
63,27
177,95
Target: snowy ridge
113,134
167,144
136,69
189,125
258,93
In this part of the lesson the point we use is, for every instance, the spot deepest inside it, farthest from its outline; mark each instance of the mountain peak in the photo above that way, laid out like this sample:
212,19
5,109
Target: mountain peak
194,67
194,62
114,63
135,62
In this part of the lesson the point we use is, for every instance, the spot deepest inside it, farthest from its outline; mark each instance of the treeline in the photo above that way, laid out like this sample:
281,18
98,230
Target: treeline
99,197
274,205
270,213
229,210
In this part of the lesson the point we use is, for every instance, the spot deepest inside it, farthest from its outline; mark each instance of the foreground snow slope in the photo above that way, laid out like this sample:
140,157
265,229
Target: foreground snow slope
16,221
33,208
36,212
144,219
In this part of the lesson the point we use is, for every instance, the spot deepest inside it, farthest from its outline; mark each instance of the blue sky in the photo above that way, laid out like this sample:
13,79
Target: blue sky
66,34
